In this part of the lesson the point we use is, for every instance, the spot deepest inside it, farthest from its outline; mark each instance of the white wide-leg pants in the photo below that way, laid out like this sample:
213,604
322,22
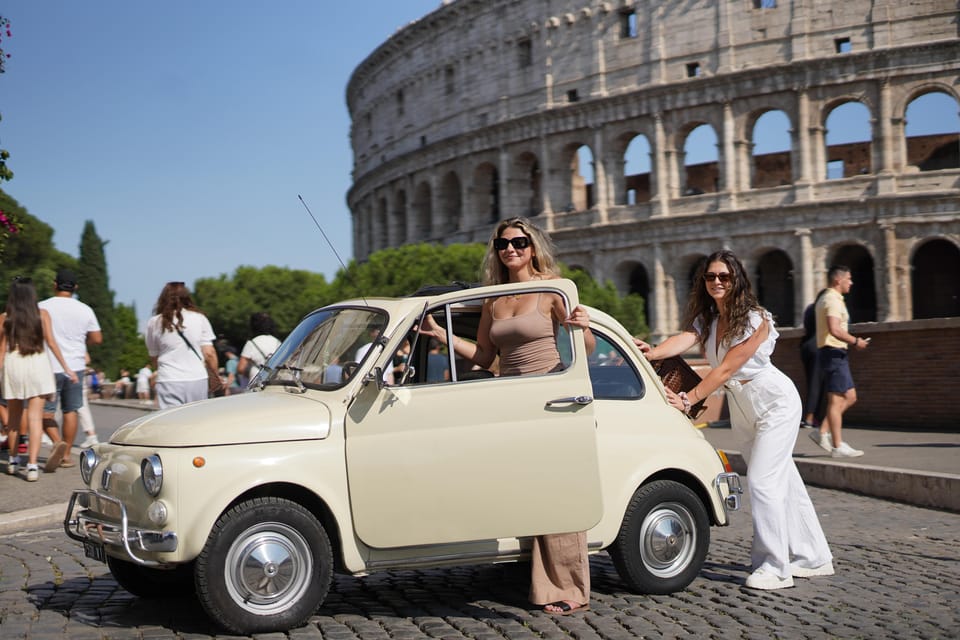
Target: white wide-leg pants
765,417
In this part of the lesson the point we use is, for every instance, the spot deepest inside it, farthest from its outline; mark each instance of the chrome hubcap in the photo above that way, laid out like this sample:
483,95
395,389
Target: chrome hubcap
268,568
667,539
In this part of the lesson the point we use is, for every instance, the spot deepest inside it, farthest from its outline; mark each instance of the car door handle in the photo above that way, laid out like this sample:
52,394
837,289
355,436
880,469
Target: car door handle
571,400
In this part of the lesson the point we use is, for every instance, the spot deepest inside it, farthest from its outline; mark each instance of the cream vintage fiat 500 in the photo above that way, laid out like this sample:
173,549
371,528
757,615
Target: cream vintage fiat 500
340,460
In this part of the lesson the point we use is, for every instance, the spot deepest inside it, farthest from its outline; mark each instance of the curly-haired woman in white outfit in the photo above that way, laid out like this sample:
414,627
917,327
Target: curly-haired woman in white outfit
737,334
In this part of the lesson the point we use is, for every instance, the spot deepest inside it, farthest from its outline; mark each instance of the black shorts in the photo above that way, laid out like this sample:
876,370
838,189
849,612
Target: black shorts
835,369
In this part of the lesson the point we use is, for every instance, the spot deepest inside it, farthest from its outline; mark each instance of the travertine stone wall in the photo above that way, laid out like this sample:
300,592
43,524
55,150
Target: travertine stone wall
475,112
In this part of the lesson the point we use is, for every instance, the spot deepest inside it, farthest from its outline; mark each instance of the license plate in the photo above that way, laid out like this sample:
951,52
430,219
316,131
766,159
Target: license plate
94,550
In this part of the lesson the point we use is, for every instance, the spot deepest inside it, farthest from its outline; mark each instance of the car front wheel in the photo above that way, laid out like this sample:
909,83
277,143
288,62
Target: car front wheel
663,539
267,565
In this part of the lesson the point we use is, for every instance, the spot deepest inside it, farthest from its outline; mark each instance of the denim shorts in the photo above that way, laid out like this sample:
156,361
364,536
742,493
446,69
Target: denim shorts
69,394
835,370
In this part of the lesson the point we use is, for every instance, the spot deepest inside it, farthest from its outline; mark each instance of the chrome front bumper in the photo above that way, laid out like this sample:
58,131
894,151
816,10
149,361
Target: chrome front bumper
89,528
732,501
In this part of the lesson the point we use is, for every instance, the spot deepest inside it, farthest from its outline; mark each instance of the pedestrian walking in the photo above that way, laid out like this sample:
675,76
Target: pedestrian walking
84,417
809,356
180,340
144,384
258,349
833,342
28,377
75,327
724,319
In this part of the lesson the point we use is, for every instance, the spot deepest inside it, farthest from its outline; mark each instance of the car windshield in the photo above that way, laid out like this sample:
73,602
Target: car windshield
325,349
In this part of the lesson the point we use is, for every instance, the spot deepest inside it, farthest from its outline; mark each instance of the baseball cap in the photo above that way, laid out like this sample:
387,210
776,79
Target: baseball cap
66,280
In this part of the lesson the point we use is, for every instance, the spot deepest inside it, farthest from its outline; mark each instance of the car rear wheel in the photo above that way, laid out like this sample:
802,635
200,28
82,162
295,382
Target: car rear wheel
148,582
663,539
267,565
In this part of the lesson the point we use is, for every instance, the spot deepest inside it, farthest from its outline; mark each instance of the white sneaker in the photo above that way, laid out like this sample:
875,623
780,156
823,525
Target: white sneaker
12,466
822,440
804,572
845,451
33,474
90,441
760,579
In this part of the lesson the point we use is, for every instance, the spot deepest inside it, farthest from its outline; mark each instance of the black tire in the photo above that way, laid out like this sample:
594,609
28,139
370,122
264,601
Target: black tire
148,582
663,540
267,566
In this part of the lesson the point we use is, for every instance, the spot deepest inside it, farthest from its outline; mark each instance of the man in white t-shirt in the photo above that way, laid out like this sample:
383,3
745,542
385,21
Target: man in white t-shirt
260,347
75,326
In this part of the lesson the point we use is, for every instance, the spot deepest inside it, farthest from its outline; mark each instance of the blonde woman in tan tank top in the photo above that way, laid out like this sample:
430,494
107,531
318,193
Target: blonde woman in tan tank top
522,329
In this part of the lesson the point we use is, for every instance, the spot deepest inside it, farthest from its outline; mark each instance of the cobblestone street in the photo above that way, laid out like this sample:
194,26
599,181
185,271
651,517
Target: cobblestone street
898,576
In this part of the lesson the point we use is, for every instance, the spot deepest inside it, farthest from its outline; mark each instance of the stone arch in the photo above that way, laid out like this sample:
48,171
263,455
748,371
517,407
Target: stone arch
862,299
526,185
685,281
935,279
701,171
399,232
381,225
771,160
486,193
774,285
849,143
450,201
637,171
581,181
932,144
634,278
422,210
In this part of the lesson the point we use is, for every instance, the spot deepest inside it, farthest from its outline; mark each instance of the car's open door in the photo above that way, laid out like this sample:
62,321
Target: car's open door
476,460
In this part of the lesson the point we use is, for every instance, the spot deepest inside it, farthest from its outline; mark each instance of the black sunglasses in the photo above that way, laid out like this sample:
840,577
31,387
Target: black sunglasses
519,243
709,276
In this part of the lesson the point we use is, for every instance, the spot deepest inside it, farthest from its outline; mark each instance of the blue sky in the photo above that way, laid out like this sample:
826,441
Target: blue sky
185,130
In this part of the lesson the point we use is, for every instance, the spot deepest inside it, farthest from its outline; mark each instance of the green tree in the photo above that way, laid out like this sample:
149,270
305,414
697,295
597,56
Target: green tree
95,291
133,350
628,310
31,252
10,223
402,270
287,294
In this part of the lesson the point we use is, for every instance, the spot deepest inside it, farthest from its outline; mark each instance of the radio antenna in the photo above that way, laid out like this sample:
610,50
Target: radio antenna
332,248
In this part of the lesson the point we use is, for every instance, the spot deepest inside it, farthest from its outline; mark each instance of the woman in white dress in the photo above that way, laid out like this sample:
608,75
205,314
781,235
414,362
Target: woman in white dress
26,370
737,335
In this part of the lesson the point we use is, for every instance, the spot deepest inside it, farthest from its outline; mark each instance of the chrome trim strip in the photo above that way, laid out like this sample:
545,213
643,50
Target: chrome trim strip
460,558
86,527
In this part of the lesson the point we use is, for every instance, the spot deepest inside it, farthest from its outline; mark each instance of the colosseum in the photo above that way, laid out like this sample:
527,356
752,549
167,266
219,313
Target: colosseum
582,114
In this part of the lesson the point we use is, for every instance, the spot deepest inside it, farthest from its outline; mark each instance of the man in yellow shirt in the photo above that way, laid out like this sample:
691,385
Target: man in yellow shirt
833,340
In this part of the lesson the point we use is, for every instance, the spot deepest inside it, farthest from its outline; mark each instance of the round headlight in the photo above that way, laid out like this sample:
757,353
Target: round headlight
151,473
88,462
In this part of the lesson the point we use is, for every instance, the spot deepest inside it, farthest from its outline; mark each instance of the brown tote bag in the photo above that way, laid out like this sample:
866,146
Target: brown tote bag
678,376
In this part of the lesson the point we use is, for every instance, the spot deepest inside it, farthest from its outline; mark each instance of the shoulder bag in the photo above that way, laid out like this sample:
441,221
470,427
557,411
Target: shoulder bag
215,387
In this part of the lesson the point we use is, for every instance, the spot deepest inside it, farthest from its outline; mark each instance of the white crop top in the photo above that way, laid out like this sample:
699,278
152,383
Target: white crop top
759,361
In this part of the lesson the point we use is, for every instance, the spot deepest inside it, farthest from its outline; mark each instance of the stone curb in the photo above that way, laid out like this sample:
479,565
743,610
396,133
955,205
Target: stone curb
920,489
37,518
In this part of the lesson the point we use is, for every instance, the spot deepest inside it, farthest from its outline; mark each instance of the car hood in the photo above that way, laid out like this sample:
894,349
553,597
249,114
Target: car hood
271,416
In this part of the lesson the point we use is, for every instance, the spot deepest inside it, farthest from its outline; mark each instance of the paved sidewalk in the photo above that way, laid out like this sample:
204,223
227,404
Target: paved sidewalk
916,467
